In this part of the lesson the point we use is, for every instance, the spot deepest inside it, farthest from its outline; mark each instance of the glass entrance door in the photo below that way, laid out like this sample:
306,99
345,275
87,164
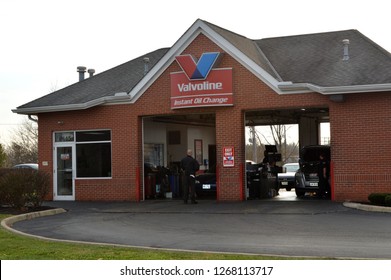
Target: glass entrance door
64,183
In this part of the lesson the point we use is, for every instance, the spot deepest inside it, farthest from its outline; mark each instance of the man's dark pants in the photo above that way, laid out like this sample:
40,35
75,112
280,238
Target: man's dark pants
188,186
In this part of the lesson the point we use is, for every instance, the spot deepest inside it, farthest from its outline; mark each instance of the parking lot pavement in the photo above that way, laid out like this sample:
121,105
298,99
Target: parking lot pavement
314,228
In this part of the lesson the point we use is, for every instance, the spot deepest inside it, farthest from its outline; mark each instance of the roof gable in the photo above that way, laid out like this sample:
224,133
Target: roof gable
244,50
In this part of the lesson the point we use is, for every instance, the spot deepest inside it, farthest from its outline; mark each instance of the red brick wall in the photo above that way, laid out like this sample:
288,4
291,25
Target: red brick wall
125,151
360,128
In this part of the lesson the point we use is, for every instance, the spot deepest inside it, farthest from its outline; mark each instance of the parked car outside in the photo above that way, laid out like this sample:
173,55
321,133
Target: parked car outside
33,166
307,179
286,180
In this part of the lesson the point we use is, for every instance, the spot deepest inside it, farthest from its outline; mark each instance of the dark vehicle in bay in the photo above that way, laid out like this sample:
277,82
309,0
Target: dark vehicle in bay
307,177
205,183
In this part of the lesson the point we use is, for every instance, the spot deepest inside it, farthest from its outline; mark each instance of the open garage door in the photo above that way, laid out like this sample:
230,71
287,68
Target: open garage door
165,141
273,142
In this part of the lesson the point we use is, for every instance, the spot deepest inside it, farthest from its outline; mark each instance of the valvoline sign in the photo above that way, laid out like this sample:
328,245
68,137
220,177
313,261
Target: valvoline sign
199,84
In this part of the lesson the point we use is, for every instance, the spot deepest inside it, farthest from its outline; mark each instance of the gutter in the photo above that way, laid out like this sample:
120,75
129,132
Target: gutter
121,97
289,87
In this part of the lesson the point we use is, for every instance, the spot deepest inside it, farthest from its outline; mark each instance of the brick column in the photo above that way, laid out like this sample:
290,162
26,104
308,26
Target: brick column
230,132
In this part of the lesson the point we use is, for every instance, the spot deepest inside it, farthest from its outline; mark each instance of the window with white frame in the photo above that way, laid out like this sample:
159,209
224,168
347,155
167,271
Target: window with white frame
93,152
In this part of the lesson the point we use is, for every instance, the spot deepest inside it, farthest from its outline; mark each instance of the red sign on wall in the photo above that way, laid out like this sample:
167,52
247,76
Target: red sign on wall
228,156
199,85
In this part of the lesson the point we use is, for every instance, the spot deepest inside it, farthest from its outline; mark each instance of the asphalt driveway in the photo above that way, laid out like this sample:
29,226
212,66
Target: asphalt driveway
314,228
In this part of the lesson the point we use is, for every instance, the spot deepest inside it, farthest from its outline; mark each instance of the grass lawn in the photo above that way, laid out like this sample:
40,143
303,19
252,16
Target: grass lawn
18,247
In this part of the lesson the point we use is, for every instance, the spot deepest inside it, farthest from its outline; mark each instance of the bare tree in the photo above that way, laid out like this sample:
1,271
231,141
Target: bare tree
278,137
23,147
279,134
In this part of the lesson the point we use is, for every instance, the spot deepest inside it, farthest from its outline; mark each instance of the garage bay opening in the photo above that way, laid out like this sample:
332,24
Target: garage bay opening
165,142
277,166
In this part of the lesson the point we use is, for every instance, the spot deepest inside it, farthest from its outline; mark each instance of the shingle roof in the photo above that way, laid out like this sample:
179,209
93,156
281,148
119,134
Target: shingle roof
121,78
317,59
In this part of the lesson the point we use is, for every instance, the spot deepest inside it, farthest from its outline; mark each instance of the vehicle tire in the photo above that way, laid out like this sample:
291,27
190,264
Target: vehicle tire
299,193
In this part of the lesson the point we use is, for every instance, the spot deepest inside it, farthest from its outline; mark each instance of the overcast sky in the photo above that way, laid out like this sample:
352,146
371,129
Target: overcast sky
43,41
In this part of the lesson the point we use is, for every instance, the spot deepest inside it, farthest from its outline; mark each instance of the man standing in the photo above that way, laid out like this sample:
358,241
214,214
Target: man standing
190,166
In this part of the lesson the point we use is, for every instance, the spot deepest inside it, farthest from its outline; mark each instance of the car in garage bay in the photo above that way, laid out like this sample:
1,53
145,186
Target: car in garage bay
205,183
286,180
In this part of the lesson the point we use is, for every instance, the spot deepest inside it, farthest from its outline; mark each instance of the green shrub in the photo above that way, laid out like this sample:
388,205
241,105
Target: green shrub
378,198
13,187
38,188
23,188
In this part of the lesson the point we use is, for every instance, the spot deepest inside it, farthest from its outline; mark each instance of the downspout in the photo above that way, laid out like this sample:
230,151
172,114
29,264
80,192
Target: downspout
32,119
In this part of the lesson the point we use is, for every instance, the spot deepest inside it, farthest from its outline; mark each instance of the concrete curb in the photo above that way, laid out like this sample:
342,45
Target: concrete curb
8,222
366,207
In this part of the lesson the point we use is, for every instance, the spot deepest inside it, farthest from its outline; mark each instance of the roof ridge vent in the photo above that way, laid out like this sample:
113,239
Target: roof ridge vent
81,70
91,72
346,43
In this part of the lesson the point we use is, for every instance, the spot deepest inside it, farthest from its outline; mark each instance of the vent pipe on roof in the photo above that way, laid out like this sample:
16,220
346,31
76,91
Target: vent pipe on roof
91,72
81,70
146,67
345,49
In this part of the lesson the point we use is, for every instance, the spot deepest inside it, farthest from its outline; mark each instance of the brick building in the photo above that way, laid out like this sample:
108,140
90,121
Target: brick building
98,136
